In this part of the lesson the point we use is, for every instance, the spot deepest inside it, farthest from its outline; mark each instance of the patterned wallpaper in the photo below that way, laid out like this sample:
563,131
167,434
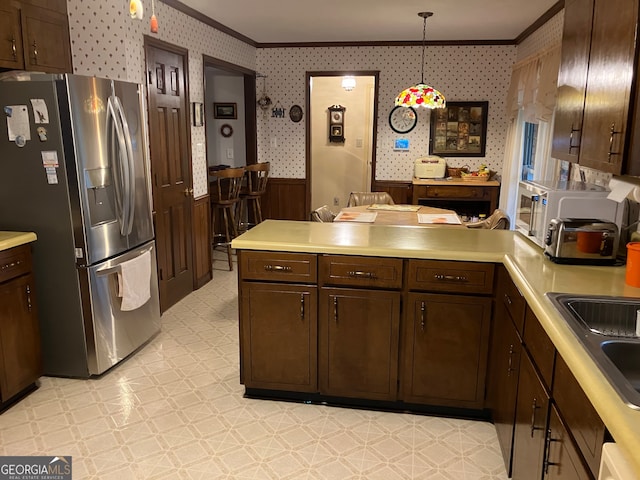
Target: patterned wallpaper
107,42
462,73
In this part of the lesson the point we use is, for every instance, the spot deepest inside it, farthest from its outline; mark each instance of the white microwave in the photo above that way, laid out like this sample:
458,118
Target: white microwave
539,202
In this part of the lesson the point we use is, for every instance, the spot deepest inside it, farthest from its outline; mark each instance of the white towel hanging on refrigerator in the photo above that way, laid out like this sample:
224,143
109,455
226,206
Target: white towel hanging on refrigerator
134,282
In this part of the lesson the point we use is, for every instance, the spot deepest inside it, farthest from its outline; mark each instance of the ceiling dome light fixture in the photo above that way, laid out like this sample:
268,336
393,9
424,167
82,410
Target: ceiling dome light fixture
349,82
421,95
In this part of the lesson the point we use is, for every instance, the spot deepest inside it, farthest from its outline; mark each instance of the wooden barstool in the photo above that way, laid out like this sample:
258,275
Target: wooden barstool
257,175
225,195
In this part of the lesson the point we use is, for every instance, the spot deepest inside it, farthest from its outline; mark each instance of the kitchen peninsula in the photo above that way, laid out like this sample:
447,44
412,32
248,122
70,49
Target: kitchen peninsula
322,275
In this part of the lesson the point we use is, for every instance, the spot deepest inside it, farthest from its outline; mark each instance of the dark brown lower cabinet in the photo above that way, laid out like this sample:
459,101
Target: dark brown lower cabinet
279,336
532,412
562,461
446,340
20,350
504,368
358,332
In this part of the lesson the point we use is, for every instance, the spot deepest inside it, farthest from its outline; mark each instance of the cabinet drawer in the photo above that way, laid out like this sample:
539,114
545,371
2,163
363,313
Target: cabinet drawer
373,272
447,276
481,193
539,346
278,266
15,262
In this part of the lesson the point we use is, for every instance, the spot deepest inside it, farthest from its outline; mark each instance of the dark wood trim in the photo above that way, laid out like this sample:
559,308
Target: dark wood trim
209,61
394,43
338,73
201,215
400,191
284,199
181,7
544,18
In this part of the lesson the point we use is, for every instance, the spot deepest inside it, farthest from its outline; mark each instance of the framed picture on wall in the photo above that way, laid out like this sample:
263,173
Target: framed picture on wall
225,110
459,129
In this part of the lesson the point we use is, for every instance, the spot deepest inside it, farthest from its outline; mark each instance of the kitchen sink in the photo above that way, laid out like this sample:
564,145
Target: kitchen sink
606,326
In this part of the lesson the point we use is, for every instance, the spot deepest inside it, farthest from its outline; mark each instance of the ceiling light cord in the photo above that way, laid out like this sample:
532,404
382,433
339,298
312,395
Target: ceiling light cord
424,36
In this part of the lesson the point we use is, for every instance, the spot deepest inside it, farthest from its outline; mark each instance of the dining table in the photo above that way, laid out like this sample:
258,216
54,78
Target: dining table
398,214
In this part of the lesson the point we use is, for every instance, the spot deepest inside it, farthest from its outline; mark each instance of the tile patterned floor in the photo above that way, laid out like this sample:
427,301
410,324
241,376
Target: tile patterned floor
176,410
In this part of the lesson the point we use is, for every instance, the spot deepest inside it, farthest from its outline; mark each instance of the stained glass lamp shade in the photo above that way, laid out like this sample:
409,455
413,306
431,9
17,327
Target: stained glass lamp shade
421,95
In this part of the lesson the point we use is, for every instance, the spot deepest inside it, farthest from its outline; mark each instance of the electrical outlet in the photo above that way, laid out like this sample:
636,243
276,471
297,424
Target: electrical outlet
229,153
336,201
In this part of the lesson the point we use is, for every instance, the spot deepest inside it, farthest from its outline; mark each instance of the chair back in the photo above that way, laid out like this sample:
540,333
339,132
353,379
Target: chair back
257,175
322,214
498,220
225,189
369,198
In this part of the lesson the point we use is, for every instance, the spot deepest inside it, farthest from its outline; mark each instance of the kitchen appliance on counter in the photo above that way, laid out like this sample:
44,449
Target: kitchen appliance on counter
74,169
581,241
430,167
541,201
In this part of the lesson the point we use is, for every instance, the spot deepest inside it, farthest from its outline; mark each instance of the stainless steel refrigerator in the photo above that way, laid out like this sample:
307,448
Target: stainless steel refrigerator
74,169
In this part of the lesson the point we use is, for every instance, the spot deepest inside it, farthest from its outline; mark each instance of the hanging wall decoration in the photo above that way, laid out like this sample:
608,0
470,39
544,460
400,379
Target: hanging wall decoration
264,102
295,113
277,111
336,123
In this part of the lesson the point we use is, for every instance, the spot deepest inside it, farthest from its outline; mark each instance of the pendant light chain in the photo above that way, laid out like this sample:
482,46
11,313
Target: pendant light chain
424,36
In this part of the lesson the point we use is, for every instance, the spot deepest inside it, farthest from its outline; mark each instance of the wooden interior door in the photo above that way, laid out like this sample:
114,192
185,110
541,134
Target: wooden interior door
169,138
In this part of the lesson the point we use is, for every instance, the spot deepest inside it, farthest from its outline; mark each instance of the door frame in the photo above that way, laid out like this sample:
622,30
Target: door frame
374,125
250,120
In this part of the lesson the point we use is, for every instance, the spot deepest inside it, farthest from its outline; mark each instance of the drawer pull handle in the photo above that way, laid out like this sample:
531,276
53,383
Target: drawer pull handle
335,309
423,311
277,268
450,278
302,306
14,52
35,53
358,274
534,407
11,265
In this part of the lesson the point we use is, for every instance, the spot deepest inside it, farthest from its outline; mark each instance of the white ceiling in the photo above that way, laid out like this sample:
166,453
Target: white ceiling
295,21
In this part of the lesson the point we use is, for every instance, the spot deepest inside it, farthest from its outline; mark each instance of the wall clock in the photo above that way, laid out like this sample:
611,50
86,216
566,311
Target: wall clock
336,123
403,119
226,131
295,113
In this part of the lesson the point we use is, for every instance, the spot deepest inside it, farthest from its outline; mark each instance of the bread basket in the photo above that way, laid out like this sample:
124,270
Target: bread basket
455,172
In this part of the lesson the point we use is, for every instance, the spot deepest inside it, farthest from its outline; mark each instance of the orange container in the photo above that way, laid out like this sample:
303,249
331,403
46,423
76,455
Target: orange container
632,274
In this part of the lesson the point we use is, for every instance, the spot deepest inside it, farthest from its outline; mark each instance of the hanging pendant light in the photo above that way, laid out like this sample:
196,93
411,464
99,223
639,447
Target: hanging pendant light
153,23
421,95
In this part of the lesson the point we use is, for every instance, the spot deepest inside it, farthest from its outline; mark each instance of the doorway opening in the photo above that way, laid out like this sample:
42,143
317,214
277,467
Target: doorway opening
337,166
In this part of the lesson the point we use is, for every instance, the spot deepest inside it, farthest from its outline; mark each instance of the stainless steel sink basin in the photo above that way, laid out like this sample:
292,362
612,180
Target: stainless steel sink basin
606,326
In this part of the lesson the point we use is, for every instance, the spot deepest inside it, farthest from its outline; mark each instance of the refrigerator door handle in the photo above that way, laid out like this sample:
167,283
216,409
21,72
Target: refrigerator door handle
114,267
130,165
114,129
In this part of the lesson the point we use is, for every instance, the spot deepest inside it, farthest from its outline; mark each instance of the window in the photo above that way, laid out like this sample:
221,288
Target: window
529,141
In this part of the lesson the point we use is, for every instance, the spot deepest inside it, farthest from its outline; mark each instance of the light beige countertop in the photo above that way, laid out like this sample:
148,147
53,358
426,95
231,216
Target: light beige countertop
15,239
534,275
